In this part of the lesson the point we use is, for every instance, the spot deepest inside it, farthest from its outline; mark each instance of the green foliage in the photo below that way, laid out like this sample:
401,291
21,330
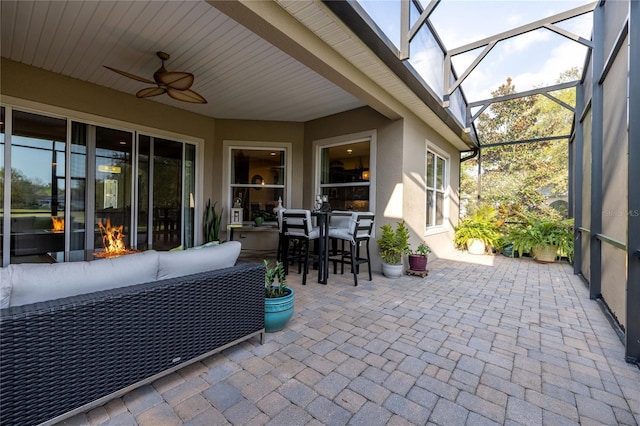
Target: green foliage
211,224
392,244
522,173
270,276
423,249
480,225
26,191
540,232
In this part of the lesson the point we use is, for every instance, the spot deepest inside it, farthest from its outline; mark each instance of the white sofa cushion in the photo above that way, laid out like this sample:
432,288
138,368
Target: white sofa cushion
39,282
177,264
5,288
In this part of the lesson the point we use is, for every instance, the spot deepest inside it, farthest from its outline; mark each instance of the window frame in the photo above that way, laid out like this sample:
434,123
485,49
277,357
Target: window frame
438,153
320,144
229,146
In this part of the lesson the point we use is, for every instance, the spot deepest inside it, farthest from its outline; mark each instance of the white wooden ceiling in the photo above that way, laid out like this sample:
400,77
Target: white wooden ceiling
241,75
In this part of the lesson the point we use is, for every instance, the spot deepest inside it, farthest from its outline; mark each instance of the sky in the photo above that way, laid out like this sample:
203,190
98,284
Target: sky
531,60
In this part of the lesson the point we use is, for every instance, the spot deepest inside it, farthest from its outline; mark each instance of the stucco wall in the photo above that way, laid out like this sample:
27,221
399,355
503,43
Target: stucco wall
264,131
354,121
417,136
400,170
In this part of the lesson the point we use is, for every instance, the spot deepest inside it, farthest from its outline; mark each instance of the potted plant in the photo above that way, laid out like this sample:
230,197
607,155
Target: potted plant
211,223
478,231
278,299
544,239
418,258
392,244
258,218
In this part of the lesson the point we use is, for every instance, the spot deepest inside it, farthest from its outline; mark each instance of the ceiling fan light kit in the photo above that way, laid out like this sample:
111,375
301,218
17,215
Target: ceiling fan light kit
176,84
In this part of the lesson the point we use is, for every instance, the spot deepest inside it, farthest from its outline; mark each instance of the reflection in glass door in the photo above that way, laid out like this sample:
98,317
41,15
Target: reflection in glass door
37,187
113,183
167,194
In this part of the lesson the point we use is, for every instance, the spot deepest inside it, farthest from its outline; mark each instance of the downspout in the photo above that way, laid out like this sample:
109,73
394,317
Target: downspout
473,153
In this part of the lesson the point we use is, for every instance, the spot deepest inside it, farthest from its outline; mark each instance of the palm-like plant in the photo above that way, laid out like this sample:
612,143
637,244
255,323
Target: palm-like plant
392,244
481,226
211,223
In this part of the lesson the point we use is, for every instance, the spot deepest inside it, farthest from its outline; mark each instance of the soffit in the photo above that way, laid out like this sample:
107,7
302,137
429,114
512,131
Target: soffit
240,74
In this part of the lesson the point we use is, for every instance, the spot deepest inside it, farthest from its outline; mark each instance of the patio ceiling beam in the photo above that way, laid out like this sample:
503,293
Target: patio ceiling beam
568,34
480,111
559,102
357,20
522,141
538,91
409,34
470,68
622,35
485,103
547,23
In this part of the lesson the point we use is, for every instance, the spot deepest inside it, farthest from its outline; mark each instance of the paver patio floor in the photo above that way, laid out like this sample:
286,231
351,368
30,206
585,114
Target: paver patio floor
481,340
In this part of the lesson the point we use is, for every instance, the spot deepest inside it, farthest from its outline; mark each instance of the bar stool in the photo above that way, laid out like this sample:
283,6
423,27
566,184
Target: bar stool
359,230
340,219
297,228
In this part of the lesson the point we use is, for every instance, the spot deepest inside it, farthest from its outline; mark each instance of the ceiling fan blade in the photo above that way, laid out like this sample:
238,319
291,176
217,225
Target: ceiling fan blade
175,79
133,76
186,96
150,91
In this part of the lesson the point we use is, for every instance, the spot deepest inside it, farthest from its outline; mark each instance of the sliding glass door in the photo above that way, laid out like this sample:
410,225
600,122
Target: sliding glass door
72,182
113,184
37,187
167,194
166,182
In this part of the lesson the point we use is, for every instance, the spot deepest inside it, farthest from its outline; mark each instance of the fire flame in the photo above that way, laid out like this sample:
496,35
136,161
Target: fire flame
58,224
112,238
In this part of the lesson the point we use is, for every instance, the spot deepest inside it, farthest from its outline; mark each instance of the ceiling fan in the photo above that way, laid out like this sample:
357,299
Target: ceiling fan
174,83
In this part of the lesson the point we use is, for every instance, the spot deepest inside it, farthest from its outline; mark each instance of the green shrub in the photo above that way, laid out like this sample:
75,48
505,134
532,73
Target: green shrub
480,225
392,244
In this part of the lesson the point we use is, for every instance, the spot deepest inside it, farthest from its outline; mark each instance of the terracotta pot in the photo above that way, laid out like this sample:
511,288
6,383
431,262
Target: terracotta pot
545,254
417,262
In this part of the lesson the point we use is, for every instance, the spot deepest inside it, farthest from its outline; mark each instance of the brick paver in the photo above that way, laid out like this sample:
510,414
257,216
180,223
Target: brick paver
480,340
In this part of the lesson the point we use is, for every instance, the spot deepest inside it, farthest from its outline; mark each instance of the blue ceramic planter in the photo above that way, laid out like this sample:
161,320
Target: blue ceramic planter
278,311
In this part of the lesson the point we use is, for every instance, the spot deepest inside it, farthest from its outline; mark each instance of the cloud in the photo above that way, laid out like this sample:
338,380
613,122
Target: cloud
526,40
563,57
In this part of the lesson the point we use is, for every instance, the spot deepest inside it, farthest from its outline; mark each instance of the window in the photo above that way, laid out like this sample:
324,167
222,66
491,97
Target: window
257,178
436,193
346,175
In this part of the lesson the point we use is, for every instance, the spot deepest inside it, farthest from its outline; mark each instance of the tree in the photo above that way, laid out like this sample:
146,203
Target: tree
524,173
25,192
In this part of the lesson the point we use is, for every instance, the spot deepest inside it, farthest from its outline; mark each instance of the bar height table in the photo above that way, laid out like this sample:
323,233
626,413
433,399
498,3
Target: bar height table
322,218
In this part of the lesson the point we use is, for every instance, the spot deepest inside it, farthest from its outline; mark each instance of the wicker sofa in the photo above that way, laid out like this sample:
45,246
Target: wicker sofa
64,356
